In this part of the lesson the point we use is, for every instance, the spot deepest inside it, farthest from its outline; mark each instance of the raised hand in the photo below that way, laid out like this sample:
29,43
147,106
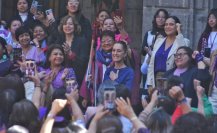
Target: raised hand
176,93
125,108
119,22
57,106
73,95
178,27
100,113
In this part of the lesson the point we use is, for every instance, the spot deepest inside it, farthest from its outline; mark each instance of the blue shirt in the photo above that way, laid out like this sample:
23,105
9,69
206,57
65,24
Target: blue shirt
125,76
161,58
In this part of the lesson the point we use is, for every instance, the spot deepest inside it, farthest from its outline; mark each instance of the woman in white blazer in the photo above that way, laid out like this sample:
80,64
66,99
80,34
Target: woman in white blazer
162,58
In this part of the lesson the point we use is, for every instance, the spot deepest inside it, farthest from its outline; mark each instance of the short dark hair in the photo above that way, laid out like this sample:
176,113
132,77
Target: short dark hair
7,99
159,121
191,123
22,30
175,18
109,123
11,21
189,52
108,33
13,81
24,113
49,51
42,26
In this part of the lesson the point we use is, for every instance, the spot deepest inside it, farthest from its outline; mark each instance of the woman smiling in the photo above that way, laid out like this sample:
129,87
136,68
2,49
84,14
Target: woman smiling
162,58
120,72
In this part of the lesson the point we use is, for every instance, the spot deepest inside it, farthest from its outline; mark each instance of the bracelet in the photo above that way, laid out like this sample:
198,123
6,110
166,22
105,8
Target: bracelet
50,115
184,100
133,118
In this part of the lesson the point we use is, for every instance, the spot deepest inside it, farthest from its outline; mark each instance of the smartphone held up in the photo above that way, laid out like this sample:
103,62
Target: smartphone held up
109,98
71,84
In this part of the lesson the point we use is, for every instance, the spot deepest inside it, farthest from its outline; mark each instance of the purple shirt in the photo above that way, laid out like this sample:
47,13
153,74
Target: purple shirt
125,76
58,82
161,59
34,54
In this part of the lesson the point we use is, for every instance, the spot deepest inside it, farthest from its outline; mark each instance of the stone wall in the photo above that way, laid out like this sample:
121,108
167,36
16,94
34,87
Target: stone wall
132,19
192,13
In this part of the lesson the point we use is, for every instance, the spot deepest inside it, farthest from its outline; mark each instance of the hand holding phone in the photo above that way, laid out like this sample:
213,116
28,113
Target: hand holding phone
109,98
161,84
30,67
71,84
49,14
207,52
34,4
17,54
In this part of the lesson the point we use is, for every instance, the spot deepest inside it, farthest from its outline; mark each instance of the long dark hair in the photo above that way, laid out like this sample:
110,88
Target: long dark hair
159,121
208,29
7,98
24,113
49,51
13,81
155,28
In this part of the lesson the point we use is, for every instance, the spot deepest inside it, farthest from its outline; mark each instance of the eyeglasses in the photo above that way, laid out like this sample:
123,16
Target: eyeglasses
107,41
179,55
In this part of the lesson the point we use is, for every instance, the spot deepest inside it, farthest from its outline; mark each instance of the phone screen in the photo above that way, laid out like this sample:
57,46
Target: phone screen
34,4
145,97
207,52
17,54
30,67
49,14
161,84
109,98
71,84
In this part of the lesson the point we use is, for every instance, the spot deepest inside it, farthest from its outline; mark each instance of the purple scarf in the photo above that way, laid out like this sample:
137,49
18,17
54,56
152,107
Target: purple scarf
104,57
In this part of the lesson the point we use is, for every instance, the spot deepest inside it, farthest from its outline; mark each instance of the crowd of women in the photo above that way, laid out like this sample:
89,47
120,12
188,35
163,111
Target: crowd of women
64,74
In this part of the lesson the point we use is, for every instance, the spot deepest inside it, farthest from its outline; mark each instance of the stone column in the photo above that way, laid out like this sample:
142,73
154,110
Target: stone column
0,8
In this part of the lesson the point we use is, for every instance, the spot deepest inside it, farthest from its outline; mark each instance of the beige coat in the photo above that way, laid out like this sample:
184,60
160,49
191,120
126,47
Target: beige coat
212,71
179,41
